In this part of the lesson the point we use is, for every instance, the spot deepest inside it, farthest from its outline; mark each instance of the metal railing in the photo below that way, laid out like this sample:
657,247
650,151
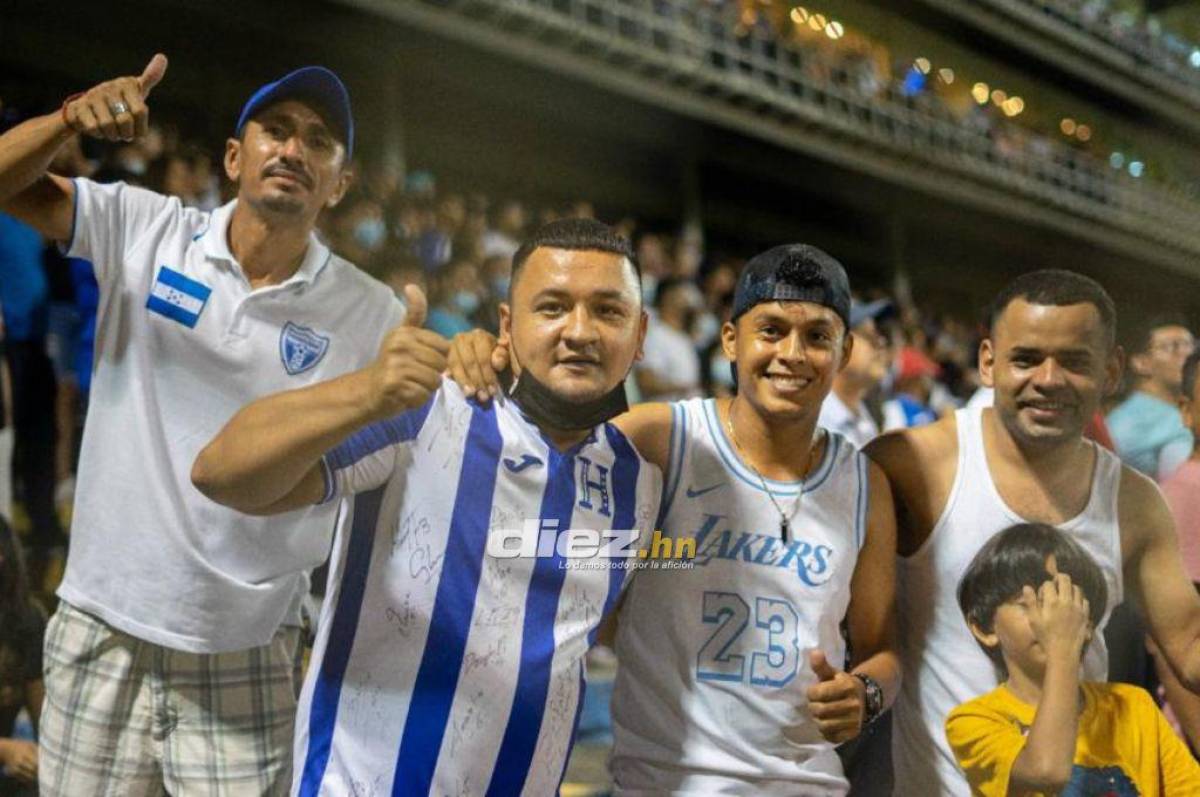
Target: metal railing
1157,52
693,48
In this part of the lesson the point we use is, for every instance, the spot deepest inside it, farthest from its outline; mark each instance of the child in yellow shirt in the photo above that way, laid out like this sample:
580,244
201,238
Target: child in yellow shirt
1032,597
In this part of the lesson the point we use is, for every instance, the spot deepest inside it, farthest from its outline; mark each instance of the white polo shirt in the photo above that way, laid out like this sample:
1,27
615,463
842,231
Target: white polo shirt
182,343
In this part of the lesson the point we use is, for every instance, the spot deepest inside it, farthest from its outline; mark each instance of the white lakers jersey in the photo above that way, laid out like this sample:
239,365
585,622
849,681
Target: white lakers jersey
714,660
446,664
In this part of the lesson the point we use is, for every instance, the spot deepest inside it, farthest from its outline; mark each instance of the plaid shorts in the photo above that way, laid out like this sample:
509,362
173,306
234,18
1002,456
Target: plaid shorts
127,717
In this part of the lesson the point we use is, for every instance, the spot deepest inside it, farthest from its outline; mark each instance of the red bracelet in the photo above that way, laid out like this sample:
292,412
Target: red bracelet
67,102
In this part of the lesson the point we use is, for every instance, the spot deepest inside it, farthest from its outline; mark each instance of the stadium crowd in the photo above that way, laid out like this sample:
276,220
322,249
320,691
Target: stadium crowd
909,366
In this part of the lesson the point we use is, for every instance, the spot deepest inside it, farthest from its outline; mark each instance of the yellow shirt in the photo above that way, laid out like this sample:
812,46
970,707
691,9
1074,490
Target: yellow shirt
1124,748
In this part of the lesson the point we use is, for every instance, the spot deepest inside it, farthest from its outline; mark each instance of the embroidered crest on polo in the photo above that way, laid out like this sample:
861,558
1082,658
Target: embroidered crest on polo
300,348
177,297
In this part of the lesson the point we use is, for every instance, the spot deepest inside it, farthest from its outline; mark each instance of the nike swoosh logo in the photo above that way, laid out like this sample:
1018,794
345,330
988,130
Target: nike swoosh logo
527,460
692,493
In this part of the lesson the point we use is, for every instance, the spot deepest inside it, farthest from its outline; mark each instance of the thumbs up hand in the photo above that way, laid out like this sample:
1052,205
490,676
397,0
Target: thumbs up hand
116,110
409,365
837,701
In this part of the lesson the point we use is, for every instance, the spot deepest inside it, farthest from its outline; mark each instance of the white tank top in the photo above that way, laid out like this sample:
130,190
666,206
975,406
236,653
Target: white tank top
714,660
943,664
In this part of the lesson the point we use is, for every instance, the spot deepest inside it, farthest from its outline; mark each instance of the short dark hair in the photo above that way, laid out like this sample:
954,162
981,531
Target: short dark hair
578,235
664,288
1057,287
1016,558
1190,365
1143,332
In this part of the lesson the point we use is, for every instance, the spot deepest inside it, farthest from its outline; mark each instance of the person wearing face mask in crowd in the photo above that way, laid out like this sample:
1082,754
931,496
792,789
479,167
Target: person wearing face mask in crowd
170,661
497,276
456,299
360,232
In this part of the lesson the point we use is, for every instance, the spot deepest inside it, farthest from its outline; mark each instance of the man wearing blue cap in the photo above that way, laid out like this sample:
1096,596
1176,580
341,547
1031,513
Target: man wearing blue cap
169,663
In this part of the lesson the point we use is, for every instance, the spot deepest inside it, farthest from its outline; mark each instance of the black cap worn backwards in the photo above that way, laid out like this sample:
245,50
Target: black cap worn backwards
793,273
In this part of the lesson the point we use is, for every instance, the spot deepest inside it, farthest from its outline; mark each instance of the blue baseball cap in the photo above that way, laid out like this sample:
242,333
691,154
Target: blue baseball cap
312,84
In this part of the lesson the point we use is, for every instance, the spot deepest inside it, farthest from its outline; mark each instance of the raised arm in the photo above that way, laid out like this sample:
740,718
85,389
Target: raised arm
1155,575
1058,617
46,201
267,458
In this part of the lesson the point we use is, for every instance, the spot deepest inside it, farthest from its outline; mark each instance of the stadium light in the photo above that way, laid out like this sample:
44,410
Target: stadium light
1116,160
999,96
1083,133
799,15
1194,58
923,66
1067,126
946,74
834,30
980,92
1136,168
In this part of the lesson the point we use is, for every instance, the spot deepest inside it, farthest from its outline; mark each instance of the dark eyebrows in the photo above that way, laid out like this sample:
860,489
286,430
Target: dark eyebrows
1074,351
770,315
607,294
277,115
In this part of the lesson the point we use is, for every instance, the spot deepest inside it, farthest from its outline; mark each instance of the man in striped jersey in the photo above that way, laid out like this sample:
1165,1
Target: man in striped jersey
729,678
448,660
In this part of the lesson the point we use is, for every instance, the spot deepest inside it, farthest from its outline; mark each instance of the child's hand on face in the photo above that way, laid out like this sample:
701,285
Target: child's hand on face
1059,616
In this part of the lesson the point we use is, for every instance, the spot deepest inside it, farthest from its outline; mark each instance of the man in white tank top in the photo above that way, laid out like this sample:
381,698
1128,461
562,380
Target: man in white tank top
730,676
1050,356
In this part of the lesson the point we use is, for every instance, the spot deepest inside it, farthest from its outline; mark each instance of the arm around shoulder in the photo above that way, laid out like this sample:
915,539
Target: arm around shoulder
648,427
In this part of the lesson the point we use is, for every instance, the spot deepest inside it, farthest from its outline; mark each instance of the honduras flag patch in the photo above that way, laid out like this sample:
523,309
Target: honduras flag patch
300,348
177,297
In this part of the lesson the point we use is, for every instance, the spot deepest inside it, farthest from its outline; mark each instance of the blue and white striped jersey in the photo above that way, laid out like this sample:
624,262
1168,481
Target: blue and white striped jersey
441,667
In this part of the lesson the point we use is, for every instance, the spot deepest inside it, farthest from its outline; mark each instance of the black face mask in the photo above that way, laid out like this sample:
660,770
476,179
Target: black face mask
549,410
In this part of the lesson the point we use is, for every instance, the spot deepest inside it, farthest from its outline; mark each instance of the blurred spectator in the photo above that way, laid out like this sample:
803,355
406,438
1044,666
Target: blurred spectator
844,410
23,297
203,185
455,299
915,372
670,369
655,263
399,270
1182,492
359,231
6,430
508,230
433,244
22,624
497,276
1147,426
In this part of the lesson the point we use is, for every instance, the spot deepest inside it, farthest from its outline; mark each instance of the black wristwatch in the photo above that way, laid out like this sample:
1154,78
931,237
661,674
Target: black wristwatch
874,698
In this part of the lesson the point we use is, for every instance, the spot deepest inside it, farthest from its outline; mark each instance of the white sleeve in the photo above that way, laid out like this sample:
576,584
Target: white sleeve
109,221
893,416
366,459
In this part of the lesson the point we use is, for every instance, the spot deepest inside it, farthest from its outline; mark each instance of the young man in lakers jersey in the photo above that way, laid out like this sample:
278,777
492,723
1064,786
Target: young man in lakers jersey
730,678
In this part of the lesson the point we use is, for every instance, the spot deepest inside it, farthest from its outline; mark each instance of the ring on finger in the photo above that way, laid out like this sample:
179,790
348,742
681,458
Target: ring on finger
118,108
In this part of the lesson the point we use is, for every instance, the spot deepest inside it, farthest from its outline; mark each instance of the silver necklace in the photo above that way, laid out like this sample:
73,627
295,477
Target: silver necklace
785,518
